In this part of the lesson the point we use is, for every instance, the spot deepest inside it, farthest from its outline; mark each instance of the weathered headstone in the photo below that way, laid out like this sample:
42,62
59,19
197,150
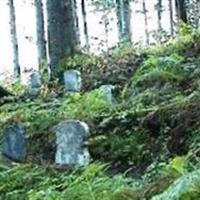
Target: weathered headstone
71,139
14,142
35,79
106,92
34,83
72,80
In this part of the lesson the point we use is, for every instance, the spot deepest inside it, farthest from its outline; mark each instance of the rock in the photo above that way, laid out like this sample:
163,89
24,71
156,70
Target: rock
34,84
14,142
34,92
71,139
35,79
72,80
106,91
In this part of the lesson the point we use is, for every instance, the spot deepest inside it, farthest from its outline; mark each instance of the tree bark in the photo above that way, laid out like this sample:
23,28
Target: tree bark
16,66
181,10
62,37
197,13
76,22
159,12
171,18
123,15
145,21
41,42
85,26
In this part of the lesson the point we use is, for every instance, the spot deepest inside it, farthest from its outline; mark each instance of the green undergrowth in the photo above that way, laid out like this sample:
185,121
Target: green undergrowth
150,130
40,116
38,112
34,182
186,187
38,183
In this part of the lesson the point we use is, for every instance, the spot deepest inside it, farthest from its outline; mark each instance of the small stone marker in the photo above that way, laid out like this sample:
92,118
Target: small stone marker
34,83
14,142
106,92
35,79
71,138
72,80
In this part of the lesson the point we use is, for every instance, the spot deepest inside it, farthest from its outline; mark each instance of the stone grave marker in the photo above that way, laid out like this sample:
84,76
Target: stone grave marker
71,140
34,84
14,142
107,96
72,81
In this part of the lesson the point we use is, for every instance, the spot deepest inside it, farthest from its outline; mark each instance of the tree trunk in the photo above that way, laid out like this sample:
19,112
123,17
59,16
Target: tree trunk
106,25
16,67
41,43
181,10
85,27
123,15
159,12
76,22
197,13
171,18
145,21
61,31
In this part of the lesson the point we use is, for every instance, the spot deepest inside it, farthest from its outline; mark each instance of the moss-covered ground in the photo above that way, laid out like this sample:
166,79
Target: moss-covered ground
146,145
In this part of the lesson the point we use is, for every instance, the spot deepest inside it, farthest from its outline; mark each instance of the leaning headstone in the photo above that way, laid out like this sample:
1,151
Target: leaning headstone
72,81
14,142
106,93
71,142
34,84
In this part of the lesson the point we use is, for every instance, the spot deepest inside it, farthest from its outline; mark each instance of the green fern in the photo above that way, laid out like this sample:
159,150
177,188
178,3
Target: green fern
186,187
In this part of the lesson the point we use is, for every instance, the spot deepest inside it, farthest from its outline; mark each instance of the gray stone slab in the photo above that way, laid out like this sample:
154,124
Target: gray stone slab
35,80
106,93
35,84
72,81
14,142
71,139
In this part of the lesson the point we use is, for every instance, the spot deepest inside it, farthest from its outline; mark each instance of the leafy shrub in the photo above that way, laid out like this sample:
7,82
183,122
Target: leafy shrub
16,88
124,52
130,147
186,40
156,68
28,182
155,81
85,106
186,187
84,63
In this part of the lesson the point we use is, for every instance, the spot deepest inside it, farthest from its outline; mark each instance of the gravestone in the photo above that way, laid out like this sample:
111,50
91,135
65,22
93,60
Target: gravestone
106,93
35,79
72,81
34,84
71,139
14,142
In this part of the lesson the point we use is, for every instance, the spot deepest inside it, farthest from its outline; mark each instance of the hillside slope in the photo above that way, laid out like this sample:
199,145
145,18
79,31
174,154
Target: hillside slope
148,136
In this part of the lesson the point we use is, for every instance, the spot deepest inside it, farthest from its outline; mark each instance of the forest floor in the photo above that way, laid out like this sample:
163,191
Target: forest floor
145,143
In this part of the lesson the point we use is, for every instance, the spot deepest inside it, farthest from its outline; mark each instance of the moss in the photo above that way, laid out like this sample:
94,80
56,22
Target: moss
155,118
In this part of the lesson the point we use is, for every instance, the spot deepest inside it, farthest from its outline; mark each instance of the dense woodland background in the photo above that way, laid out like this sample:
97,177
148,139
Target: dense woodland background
30,30
134,80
